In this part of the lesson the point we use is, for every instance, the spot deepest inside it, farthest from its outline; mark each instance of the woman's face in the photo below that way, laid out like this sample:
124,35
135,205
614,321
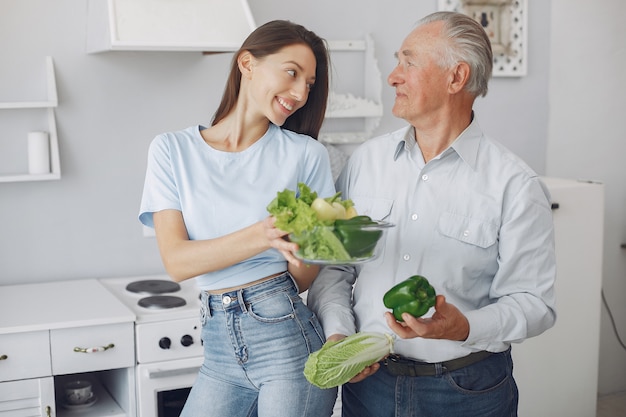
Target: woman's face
279,84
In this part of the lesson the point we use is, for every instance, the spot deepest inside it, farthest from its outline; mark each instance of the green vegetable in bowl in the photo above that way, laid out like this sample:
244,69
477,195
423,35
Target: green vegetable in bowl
338,362
320,243
297,215
294,214
355,236
414,295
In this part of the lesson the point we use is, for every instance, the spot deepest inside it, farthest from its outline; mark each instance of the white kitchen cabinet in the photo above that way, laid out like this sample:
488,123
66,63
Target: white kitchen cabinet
28,397
557,372
48,105
93,348
24,355
54,332
167,25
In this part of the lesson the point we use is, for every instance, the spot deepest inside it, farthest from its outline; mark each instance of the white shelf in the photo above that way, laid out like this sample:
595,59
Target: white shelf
105,405
344,106
48,105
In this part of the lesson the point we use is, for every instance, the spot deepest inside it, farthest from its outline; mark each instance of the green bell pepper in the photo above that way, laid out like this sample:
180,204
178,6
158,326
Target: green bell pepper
414,295
358,241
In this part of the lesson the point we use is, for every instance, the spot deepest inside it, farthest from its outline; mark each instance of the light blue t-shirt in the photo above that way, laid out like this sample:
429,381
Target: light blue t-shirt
221,192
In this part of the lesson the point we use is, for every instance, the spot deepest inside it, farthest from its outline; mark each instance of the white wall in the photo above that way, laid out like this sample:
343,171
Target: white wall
586,140
111,105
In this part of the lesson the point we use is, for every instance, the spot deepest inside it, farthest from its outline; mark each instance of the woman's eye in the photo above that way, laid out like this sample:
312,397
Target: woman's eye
291,73
310,86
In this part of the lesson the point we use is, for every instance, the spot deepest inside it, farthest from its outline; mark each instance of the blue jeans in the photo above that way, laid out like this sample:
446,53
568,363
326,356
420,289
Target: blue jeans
483,389
256,342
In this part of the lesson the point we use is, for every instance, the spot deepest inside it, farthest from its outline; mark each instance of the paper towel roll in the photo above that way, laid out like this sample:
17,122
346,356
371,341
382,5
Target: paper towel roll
38,153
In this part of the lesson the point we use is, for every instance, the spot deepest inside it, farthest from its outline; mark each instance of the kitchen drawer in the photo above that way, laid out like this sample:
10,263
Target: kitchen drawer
95,348
27,398
25,355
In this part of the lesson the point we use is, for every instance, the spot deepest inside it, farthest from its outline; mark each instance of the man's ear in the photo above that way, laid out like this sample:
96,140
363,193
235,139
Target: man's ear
245,62
460,75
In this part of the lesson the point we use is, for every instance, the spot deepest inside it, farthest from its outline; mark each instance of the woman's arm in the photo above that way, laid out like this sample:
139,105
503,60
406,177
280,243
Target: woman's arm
184,258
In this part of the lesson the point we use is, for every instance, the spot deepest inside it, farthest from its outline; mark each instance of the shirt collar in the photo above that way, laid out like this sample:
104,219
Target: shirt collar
406,142
465,145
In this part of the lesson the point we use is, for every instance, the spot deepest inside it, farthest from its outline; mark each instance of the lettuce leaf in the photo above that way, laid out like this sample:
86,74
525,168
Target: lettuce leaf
315,237
294,214
338,362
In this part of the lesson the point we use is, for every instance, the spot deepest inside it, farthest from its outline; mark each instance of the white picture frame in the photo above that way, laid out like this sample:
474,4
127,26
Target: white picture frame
505,22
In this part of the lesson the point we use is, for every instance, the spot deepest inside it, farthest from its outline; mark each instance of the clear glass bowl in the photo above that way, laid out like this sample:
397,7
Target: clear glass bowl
375,231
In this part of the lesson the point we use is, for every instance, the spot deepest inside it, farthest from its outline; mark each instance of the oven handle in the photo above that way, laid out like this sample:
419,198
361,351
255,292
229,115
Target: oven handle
172,372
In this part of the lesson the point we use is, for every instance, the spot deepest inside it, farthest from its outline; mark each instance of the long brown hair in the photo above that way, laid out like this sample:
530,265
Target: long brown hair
268,39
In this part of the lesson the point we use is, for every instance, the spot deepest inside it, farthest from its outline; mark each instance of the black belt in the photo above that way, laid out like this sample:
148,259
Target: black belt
399,366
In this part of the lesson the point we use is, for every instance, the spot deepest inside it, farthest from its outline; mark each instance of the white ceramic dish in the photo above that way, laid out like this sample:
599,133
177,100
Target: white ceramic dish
82,406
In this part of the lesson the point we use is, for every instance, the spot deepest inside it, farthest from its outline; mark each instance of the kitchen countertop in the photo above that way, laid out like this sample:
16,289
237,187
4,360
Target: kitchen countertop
61,304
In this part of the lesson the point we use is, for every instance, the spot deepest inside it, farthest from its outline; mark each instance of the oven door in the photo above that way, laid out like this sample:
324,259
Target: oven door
162,387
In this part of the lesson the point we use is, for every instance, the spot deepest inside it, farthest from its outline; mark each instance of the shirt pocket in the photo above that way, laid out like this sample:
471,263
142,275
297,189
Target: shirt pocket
478,232
472,243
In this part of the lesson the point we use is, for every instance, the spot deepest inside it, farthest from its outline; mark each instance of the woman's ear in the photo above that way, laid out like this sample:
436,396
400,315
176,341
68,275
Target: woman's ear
245,62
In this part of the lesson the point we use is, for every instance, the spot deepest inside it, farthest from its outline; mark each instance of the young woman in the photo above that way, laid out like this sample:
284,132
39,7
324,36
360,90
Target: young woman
206,193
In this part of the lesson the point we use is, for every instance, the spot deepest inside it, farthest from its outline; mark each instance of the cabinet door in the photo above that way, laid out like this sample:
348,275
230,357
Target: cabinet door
27,398
96,348
25,355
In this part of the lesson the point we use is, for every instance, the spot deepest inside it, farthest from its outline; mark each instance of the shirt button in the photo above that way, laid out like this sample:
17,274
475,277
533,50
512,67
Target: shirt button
425,177
406,257
413,216
466,233
226,300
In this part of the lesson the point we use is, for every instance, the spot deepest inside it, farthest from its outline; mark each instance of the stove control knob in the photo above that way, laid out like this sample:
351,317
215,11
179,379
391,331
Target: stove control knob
165,343
186,340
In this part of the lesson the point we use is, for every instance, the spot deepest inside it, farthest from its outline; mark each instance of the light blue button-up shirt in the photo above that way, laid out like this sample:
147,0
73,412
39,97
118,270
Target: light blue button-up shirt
476,221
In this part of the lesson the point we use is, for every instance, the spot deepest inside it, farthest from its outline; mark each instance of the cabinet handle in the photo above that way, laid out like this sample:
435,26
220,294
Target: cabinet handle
94,349
48,411
4,357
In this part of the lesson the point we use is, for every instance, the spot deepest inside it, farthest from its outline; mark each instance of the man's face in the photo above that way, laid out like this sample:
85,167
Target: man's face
421,84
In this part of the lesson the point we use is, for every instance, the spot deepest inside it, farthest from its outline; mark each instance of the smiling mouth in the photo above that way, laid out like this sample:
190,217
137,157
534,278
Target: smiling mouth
285,104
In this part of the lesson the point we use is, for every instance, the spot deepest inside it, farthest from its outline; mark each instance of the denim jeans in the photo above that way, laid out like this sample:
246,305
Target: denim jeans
483,389
256,342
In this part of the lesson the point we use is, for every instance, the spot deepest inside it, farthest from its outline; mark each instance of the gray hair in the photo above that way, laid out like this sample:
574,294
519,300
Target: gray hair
468,42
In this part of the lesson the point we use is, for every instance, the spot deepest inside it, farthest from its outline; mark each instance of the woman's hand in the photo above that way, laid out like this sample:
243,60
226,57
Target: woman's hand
276,239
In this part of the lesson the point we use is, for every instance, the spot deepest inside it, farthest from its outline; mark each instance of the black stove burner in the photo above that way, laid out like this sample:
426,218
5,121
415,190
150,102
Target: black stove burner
161,302
153,286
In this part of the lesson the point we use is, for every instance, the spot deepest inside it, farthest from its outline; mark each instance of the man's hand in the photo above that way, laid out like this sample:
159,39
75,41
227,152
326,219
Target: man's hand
447,323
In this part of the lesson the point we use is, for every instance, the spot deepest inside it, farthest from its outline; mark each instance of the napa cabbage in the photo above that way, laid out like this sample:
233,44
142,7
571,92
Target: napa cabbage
337,362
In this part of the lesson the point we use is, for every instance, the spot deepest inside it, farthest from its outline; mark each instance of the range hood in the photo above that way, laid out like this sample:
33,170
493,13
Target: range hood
167,25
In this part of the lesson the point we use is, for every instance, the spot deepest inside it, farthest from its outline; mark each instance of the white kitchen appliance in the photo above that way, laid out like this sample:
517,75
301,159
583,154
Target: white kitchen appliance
167,339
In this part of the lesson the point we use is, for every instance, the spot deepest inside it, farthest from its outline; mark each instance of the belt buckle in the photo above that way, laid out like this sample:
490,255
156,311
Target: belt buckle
393,357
